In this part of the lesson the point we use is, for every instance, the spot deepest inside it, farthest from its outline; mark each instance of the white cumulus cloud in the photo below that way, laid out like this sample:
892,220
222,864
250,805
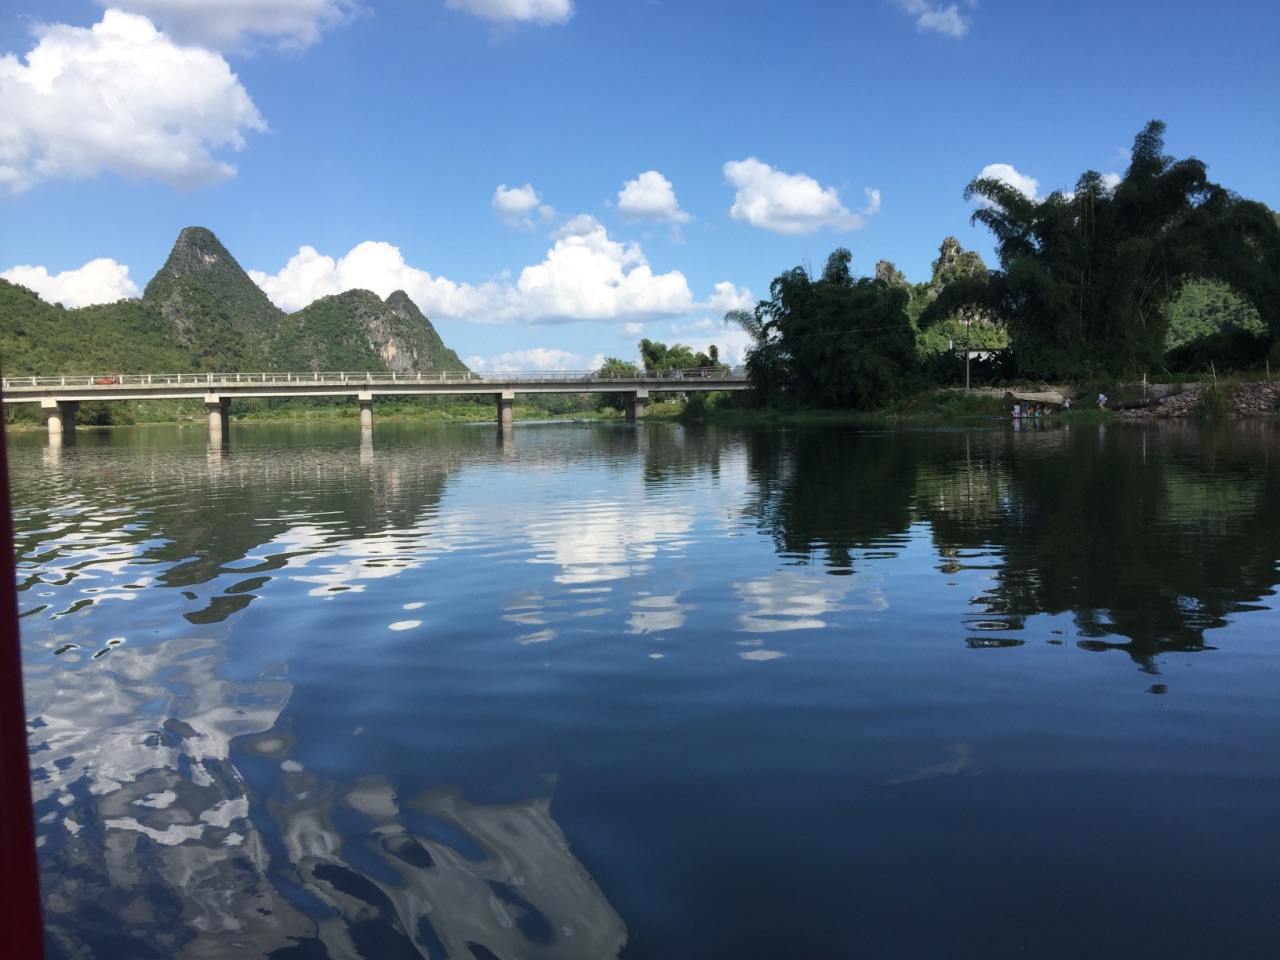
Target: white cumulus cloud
792,203
1027,186
516,206
98,281
728,297
233,24
372,265
650,196
516,11
585,276
947,20
119,96
536,358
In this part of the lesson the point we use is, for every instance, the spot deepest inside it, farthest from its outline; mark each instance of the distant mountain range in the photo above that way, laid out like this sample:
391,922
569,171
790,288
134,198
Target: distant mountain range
201,312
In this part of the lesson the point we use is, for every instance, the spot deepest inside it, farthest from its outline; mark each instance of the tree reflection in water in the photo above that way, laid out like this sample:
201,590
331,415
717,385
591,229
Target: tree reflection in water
1145,549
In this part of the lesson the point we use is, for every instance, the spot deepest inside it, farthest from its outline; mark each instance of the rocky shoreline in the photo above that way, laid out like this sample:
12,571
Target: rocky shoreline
1250,399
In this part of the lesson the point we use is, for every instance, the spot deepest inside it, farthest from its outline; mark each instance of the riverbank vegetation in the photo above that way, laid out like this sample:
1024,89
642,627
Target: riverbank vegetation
1160,274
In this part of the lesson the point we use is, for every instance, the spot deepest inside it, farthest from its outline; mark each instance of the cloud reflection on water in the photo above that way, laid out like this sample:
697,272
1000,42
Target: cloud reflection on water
154,842
654,614
604,540
789,600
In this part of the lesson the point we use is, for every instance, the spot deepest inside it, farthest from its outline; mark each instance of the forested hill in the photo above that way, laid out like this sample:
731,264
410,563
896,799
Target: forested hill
213,307
202,312
359,331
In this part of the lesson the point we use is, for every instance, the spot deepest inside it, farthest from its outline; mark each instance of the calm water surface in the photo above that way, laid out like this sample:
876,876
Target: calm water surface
604,691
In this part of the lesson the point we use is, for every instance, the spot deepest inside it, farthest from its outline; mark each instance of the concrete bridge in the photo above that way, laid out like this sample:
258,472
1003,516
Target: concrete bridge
60,396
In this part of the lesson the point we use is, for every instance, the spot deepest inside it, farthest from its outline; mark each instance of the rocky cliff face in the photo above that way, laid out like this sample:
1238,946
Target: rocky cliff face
886,271
413,335
215,309
358,330
196,251
954,263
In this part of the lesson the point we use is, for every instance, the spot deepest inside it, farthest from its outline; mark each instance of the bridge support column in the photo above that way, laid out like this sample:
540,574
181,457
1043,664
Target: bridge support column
506,407
366,409
634,403
59,416
219,414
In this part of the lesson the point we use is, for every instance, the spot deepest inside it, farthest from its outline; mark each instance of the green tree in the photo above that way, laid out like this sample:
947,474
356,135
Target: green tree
614,369
767,363
1085,276
834,342
1204,308
660,358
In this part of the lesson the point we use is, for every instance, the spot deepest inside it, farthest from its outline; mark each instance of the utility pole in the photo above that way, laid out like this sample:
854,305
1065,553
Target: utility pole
968,334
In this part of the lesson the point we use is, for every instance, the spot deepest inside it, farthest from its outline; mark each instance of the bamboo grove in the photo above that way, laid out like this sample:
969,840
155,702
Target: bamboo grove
1082,291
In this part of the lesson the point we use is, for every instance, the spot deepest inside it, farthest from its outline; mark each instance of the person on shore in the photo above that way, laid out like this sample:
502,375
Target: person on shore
1102,401
1017,411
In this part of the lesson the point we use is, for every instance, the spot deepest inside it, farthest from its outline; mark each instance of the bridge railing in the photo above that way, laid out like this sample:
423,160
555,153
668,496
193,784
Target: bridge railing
330,378
696,373
222,379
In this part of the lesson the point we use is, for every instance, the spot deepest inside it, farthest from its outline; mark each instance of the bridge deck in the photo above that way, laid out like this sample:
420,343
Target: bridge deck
336,384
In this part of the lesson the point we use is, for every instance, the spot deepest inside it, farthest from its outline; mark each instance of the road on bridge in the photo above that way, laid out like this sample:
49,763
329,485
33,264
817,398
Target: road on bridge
60,395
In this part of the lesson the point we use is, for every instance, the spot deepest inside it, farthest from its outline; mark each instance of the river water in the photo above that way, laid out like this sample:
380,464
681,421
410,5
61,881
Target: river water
593,691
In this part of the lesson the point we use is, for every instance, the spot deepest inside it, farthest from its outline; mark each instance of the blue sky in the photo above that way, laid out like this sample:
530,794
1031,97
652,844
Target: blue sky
552,180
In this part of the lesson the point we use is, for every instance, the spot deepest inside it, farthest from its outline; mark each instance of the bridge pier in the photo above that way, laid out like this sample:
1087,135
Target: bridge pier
633,403
219,414
366,409
506,407
366,446
507,440
59,416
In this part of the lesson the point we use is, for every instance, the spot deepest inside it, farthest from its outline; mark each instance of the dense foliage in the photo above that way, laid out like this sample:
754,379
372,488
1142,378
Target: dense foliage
321,335
831,342
1085,277
944,344
614,369
660,358
656,358
42,338
1163,270
1203,308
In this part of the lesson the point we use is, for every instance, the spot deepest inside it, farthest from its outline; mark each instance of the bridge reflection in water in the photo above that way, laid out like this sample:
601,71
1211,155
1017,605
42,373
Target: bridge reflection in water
60,396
